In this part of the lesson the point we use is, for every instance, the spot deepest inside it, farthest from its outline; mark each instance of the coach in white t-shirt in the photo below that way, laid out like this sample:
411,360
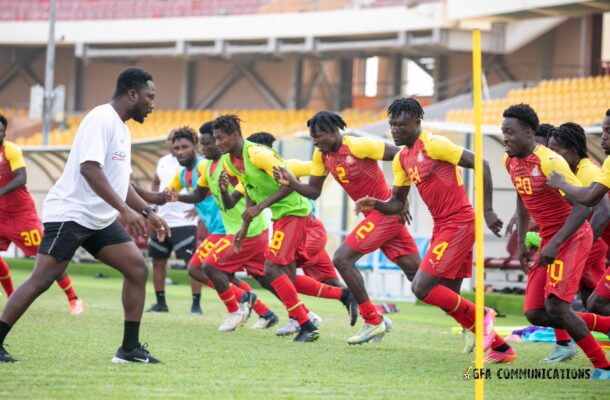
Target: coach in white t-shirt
183,241
82,208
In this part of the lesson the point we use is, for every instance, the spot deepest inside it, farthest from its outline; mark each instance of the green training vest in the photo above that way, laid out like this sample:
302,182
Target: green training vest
260,186
232,218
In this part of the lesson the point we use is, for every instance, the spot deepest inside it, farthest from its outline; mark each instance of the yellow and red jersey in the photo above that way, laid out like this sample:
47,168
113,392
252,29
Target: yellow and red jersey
354,166
18,201
432,165
545,204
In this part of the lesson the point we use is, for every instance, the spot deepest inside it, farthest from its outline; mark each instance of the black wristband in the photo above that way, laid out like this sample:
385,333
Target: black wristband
147,211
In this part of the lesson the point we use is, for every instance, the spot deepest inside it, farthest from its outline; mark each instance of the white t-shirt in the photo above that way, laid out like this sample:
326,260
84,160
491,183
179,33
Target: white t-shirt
172,213
104,138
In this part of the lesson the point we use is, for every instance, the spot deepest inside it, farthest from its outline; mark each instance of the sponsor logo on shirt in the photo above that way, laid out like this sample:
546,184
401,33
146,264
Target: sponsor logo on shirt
119,156
420,157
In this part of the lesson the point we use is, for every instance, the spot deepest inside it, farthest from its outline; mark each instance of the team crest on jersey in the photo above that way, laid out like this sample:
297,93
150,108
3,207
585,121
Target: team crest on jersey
349,159
420,157
535,171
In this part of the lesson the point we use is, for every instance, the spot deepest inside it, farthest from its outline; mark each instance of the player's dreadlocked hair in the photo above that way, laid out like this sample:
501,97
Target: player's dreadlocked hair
228,124
524,113
207,128
264,138
409,106
570,136
185,132
326,121
543,130
4,121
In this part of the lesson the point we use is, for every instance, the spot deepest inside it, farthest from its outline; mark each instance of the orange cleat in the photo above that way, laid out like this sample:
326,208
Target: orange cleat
501,357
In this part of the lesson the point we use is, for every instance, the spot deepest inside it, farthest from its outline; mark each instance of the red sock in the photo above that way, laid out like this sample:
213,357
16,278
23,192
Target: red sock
239,292
369,313
594,351
260,308
562,336
66,285
288,294
210,285
230,301
462,310
596,322
5,277
310,287
244,286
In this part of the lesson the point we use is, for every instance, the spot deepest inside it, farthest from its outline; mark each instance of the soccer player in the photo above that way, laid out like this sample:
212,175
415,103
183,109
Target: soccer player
353,162
599,301
570,142
430,162
291,214
183,240
553,280
19,222
81,209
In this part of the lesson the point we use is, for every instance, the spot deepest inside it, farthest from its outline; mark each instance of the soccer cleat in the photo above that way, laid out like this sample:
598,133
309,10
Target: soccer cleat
76,306
264,322
501,357
488,328
246,303
368,333
352,306
138,355
158,308
196,309
233,321
305,336
315,319
468,339
290,328
561,353
600,374
388,328
5,357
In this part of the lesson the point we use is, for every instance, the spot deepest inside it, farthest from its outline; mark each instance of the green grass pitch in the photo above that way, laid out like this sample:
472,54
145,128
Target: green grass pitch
67,357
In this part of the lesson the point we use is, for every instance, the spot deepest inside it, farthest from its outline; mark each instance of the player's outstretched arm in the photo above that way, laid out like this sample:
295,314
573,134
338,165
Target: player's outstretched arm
588,195
390,151
153,197
135,202
600,217
192,197
311,190
20,178
228,199
523,219
393,206
491,218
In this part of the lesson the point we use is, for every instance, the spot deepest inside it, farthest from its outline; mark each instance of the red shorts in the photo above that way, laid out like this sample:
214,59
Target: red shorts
595,265
317,263
204,249
289,239
380,231
251,256
603,286
450,253
24,230
562,278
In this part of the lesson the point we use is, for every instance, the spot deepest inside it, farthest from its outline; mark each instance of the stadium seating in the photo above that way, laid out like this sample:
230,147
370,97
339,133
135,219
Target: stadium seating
582,100
282,123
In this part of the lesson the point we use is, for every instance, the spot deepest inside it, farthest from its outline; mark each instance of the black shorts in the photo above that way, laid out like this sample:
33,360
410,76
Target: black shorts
62,239
183,242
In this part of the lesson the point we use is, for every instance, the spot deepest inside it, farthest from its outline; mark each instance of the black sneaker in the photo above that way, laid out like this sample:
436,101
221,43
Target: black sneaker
247,302
5,357
305,336
138,355
158,308
351,304
195,309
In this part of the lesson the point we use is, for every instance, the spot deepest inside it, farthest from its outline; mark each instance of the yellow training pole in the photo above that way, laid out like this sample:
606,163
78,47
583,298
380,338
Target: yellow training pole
479,385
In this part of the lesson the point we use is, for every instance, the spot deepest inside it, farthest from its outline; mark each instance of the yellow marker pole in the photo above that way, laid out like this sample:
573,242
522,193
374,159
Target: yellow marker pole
479,386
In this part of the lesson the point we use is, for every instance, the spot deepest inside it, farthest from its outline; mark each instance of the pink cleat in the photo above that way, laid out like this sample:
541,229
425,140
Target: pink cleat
501,357
488,328
76,306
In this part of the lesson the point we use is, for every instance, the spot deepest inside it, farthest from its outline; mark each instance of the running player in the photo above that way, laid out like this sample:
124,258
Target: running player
19,222
553,280
291,213
430,162
570,142
183,240
81,209
599,302
353,162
